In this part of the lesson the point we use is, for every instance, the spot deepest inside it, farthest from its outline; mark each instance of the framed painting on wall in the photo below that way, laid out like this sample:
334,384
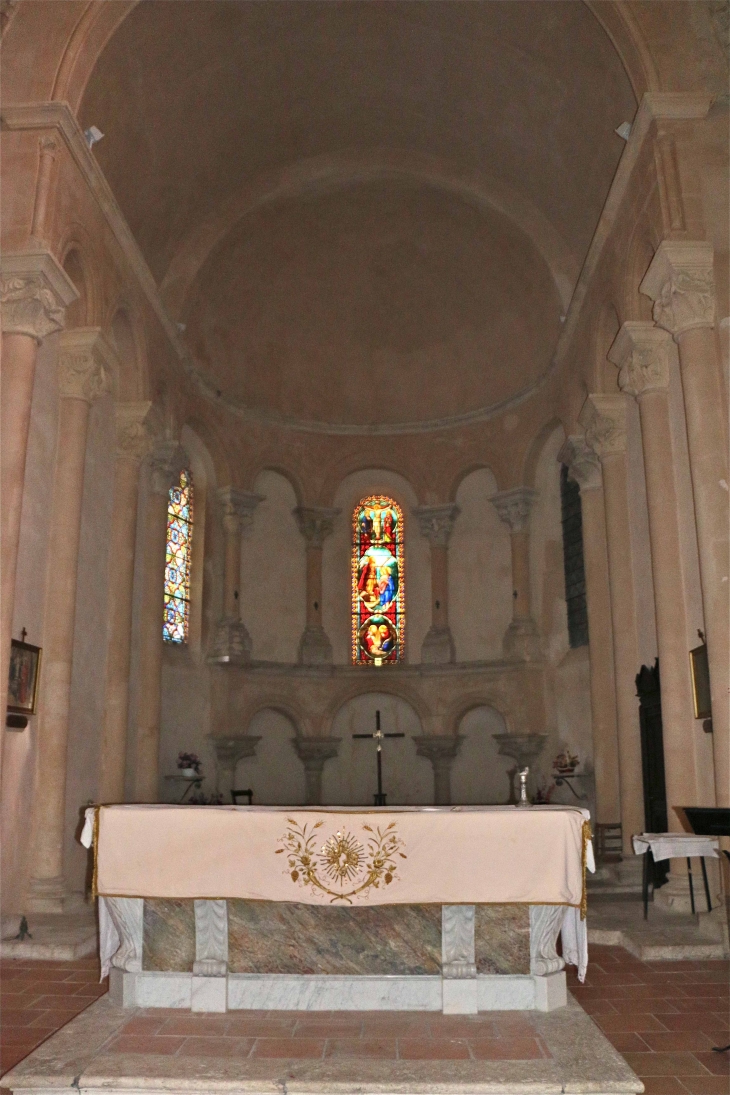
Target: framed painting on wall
25,671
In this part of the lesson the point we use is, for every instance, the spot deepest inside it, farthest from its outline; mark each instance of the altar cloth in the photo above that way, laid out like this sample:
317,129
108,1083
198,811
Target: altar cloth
341,855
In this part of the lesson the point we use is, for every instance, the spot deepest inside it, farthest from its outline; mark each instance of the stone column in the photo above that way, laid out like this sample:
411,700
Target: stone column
585,469
315,524
34,293
165,461
680,280
641,351
133,442
228,752
84,358
436,523
521,639
313,752
604,420
441,751
232,642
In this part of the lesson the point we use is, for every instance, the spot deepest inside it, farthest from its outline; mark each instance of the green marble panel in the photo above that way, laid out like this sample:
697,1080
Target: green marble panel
502,938
169,935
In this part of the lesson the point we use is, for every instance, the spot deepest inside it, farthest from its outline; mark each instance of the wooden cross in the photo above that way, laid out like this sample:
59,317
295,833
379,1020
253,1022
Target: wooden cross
23,633
378,736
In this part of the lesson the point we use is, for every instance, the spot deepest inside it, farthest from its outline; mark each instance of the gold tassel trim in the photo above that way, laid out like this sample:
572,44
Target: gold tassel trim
587,836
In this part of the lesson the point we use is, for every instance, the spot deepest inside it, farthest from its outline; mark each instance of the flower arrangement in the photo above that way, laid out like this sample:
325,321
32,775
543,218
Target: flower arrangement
189,764
566,762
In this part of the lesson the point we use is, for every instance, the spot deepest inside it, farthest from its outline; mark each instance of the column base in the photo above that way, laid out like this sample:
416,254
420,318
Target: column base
49,895
438,646
522,641
315,647
231,644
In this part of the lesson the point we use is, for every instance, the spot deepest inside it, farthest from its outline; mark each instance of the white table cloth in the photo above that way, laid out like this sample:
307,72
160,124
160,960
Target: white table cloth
676,845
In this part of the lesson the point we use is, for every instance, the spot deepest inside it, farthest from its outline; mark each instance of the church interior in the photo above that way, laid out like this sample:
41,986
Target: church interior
364,402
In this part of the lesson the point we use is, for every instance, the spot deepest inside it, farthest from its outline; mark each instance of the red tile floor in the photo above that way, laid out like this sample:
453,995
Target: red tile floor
663,1017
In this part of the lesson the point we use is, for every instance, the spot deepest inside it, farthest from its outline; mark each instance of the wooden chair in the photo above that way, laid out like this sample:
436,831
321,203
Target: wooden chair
235,795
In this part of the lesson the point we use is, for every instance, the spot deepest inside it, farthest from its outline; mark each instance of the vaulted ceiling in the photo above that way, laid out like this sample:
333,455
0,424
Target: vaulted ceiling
324,186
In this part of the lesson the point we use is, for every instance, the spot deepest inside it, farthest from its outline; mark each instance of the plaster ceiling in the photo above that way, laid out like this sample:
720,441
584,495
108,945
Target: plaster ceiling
201,101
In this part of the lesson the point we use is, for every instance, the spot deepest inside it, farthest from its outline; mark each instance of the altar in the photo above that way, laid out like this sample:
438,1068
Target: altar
454,909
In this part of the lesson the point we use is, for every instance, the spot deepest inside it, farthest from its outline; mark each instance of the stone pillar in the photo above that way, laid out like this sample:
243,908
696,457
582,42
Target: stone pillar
228,752
441,751
34,293
436,523
604,420
585,469
313,752
232,642
315,524
132,440
680,281
84,357
522,639
641,351
165,461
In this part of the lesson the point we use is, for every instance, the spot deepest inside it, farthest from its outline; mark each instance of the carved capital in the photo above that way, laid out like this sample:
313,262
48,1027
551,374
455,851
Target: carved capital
436,522
228,751
514,507
641,354
603,418
315,523
166,461
237,507
440,750
34,294
132,433
681,282
313,752
86,362
584,467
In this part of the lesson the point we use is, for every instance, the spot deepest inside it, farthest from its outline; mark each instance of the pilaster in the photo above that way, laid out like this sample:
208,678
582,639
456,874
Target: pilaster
231,644
521,639
315,524
435,523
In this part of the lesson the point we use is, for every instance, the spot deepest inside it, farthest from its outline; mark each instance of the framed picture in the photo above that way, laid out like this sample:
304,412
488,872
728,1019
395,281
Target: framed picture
700,682
25,671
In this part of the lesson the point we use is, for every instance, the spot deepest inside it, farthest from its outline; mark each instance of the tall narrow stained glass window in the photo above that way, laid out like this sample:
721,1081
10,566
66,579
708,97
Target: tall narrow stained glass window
176,615
378,586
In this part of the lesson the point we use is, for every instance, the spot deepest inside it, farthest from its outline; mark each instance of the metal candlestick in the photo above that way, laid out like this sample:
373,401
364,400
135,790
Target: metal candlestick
523,787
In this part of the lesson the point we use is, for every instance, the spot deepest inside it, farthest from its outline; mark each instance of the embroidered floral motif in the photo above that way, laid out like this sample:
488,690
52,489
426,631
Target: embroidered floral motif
343,866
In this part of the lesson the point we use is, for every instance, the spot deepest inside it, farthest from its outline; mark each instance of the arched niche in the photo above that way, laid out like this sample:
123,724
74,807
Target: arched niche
547,578
275,774
336,588
480,572
273,572
350,778
77,313
479,774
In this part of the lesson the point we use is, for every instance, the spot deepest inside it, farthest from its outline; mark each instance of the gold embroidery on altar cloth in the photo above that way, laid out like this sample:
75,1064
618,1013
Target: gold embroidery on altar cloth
343,866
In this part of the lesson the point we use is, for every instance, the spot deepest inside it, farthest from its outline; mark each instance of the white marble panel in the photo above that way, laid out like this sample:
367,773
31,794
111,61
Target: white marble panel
160,990
460,996
551,991
515,992
208,994
282,992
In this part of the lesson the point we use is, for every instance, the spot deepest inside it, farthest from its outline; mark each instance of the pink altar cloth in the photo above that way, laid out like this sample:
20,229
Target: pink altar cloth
339,855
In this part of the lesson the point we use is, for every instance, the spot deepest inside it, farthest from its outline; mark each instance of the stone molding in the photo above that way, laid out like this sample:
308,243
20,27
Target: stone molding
166,459
603,418
133,439
641,354
514,507
34,294
237,507
315,523
86,364
583,465
435,523
681,282
211,939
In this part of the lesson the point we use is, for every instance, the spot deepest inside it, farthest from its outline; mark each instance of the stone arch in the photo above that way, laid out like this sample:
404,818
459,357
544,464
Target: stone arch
603,375
361,460
253,471
484,698
534,452
637,306
274,771
282,705
464,473
479,773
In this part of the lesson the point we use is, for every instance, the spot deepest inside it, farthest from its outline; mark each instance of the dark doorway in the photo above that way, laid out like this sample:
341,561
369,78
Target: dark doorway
652,759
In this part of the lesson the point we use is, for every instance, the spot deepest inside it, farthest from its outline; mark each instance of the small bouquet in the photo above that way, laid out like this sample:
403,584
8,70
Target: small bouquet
565,763
189,764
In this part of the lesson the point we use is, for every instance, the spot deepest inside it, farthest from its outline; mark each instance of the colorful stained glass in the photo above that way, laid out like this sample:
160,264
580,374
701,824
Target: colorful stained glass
378,589
176,614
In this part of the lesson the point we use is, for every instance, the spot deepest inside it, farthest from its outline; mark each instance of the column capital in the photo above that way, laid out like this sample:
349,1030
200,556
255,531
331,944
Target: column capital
34,294
438,749
603,418
166,459
583,465
315,523
86,364
313,752
132,433
681,282
514,506
641,354
436,522
237,507
228,751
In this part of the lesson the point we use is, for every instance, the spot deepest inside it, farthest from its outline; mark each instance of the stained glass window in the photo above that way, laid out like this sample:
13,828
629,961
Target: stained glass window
378,590
176,614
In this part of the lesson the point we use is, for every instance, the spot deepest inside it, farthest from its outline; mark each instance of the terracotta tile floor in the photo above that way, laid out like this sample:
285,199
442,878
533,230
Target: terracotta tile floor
663,1017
